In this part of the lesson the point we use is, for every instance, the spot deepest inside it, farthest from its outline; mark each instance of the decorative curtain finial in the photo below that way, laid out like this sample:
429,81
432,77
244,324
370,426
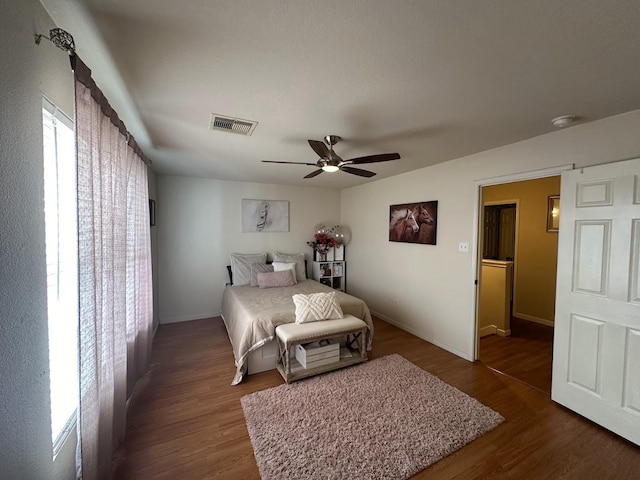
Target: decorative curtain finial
61,39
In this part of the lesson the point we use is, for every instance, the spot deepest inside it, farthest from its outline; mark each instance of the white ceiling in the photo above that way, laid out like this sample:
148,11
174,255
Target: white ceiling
432,80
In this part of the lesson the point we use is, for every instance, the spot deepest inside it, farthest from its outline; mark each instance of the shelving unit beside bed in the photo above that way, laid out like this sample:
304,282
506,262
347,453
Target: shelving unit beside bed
332,270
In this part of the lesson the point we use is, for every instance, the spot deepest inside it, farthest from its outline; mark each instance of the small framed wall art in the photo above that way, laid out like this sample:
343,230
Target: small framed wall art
152,212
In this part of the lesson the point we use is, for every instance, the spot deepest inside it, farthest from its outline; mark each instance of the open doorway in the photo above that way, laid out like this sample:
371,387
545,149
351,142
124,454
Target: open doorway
499,231
517,273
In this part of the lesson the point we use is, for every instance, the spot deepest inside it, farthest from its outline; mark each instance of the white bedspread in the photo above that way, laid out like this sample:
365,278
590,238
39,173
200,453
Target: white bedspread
251,315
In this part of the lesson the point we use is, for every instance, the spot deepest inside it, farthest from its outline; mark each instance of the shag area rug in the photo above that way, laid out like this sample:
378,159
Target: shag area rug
383,419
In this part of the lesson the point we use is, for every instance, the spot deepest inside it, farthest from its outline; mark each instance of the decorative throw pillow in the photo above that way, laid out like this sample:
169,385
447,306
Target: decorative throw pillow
241,266
279,266
283,278
259,268
316,306
297,258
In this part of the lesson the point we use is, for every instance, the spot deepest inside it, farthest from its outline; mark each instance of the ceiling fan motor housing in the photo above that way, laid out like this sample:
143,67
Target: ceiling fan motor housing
332,139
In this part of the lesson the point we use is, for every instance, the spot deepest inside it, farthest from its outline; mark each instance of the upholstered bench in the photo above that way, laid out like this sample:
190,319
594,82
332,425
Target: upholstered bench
291,334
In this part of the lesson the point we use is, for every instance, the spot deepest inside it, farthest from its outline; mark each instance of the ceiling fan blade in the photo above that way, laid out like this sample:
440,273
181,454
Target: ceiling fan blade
291,163
320,148
383,157
357,171
314,173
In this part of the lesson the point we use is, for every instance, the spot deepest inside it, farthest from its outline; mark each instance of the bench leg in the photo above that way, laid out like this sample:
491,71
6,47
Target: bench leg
287,361
282,353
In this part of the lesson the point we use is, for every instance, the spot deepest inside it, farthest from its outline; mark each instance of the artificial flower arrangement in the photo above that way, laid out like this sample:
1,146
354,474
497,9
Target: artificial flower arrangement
321,243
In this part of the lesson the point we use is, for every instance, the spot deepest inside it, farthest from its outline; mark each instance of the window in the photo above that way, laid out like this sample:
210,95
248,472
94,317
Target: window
60,209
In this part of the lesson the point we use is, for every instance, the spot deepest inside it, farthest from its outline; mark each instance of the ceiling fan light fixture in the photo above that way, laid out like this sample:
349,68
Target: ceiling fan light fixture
330,168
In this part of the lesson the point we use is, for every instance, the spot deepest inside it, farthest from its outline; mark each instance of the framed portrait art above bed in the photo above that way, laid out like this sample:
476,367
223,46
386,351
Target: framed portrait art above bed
265,215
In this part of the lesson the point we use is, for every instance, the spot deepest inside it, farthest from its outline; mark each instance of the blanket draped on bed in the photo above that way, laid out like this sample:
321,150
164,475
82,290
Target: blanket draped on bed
252,314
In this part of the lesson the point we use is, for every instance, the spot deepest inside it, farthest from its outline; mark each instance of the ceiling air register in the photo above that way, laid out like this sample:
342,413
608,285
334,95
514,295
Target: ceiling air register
231,125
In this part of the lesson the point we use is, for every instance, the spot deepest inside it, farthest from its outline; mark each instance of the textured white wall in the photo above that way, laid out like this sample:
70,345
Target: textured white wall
434,284
199,225
28,72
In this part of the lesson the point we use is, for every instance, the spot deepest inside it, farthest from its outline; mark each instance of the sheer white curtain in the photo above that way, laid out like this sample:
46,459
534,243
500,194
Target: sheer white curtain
114,272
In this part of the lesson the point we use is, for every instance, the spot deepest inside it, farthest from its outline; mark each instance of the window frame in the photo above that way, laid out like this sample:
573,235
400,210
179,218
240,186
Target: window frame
58,116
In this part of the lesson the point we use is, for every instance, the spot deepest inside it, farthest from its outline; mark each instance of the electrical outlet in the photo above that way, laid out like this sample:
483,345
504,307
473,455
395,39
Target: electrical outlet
463,247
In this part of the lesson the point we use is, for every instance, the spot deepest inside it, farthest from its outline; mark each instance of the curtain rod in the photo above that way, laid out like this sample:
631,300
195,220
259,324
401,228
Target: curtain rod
64,41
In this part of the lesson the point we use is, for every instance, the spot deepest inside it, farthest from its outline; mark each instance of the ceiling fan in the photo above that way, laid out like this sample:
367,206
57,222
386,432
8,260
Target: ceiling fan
330,161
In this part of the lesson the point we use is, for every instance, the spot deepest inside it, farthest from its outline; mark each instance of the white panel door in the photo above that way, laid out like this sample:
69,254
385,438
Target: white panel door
596,350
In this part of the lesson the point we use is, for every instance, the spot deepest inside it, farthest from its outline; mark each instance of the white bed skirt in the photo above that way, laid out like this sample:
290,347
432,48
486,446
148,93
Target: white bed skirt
263,358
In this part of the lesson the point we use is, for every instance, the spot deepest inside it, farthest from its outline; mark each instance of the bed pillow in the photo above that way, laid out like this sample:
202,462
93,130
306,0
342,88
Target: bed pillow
297,258
316,306
241,266
280,266
259,268
283,278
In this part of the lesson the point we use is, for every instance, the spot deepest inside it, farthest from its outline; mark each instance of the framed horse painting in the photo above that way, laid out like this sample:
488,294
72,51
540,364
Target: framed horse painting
413,222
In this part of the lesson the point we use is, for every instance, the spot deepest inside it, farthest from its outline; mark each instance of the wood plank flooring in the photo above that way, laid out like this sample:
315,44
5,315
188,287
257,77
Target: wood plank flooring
525,355
186,421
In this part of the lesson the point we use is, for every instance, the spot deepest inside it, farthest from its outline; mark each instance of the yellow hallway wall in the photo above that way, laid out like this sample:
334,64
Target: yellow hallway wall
536,249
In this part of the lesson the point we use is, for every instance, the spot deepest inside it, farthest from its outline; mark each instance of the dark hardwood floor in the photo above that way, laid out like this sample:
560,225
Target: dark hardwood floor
186,421
525,355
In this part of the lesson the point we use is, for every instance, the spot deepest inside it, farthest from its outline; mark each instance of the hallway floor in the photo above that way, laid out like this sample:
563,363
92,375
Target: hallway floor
525,355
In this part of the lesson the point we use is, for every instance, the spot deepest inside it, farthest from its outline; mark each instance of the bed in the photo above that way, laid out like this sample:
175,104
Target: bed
251,315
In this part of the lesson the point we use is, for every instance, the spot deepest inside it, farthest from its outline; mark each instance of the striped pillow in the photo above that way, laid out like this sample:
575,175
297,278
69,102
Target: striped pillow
297,258
259,268
241,266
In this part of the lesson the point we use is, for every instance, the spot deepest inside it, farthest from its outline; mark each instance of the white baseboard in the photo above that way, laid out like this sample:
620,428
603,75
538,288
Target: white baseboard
488,330
531,318
188,318
418,334
493,330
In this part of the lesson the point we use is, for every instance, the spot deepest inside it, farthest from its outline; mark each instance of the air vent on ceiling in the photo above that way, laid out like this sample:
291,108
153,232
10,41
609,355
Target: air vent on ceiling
231,125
